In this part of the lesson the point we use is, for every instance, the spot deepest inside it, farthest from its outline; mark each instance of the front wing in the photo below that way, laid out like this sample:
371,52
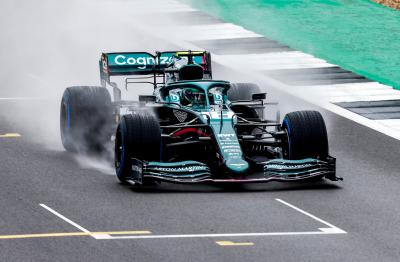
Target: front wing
191,172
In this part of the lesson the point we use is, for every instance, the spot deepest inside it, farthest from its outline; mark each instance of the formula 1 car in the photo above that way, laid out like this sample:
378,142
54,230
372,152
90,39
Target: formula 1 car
192,129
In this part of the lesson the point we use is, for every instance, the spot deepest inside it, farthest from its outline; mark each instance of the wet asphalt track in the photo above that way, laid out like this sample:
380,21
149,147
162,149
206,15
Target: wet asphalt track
35,170
365,205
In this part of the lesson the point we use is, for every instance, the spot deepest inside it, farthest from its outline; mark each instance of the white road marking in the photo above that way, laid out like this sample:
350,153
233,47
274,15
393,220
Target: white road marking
276,61
69,221
331,229
393,123
214,31
371,91
357,86
149,6
366,93
100,236
322,232
18,98
72,234
95,235
355,98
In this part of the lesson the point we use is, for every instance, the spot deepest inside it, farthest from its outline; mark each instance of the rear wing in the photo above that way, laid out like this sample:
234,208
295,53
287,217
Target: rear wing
143,63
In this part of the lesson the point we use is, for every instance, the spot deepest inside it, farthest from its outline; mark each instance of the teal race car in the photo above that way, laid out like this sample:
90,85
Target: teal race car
192,129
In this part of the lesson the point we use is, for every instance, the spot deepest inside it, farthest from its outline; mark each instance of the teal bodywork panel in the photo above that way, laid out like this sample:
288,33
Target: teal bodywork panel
129,63
221,124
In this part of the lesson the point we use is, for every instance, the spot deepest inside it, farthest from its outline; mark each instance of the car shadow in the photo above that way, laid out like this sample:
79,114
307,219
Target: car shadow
235,188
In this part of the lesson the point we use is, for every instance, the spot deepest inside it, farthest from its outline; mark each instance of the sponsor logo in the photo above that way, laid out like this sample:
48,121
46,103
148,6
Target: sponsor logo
140,61
174,98
180,115
226,135
189,169
218,99
226,115
232,151
283,166
229,142
143,60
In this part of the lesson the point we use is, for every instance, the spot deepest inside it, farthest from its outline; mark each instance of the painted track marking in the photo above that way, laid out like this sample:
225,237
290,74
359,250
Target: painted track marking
10,135
230,243
224,235
85,232
330,230
145,234
69,221
18,98
73,234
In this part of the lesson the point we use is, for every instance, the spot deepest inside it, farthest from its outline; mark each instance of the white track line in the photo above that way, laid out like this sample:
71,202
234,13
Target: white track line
323,231
18,98
392,123
69,221
223,235
95,235
214,32
276,61
331,227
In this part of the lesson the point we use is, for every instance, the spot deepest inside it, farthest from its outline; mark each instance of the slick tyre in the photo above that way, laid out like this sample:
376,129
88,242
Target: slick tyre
85,119
244,91
306,135
138,136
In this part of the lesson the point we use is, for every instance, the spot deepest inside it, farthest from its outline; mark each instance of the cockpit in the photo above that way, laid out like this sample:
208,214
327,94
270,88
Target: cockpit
195,97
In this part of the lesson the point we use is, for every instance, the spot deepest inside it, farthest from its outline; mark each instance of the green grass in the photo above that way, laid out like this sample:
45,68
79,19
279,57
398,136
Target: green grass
358,35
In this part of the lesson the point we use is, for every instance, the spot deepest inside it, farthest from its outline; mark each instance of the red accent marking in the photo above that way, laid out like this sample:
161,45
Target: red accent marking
190,130
203,60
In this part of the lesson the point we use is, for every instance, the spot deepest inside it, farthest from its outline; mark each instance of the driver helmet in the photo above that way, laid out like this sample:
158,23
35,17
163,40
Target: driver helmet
193,96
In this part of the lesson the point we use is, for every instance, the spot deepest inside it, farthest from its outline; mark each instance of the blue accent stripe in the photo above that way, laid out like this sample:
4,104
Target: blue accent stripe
286,123
69,115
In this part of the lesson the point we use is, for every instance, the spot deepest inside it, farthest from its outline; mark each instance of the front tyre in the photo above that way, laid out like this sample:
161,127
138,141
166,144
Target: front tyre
138,136
306,136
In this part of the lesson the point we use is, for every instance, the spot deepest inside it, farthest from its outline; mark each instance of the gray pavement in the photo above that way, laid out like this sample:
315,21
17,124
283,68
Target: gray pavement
365,205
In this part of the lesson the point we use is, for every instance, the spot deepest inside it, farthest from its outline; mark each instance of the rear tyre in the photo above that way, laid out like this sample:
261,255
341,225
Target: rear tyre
138,136
85,118
244,91
306,135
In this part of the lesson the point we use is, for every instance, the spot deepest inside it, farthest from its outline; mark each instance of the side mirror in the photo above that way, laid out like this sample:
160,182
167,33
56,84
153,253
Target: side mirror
259,96
147,99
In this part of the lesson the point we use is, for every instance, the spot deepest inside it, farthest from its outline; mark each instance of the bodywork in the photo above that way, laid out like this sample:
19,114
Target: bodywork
207,142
